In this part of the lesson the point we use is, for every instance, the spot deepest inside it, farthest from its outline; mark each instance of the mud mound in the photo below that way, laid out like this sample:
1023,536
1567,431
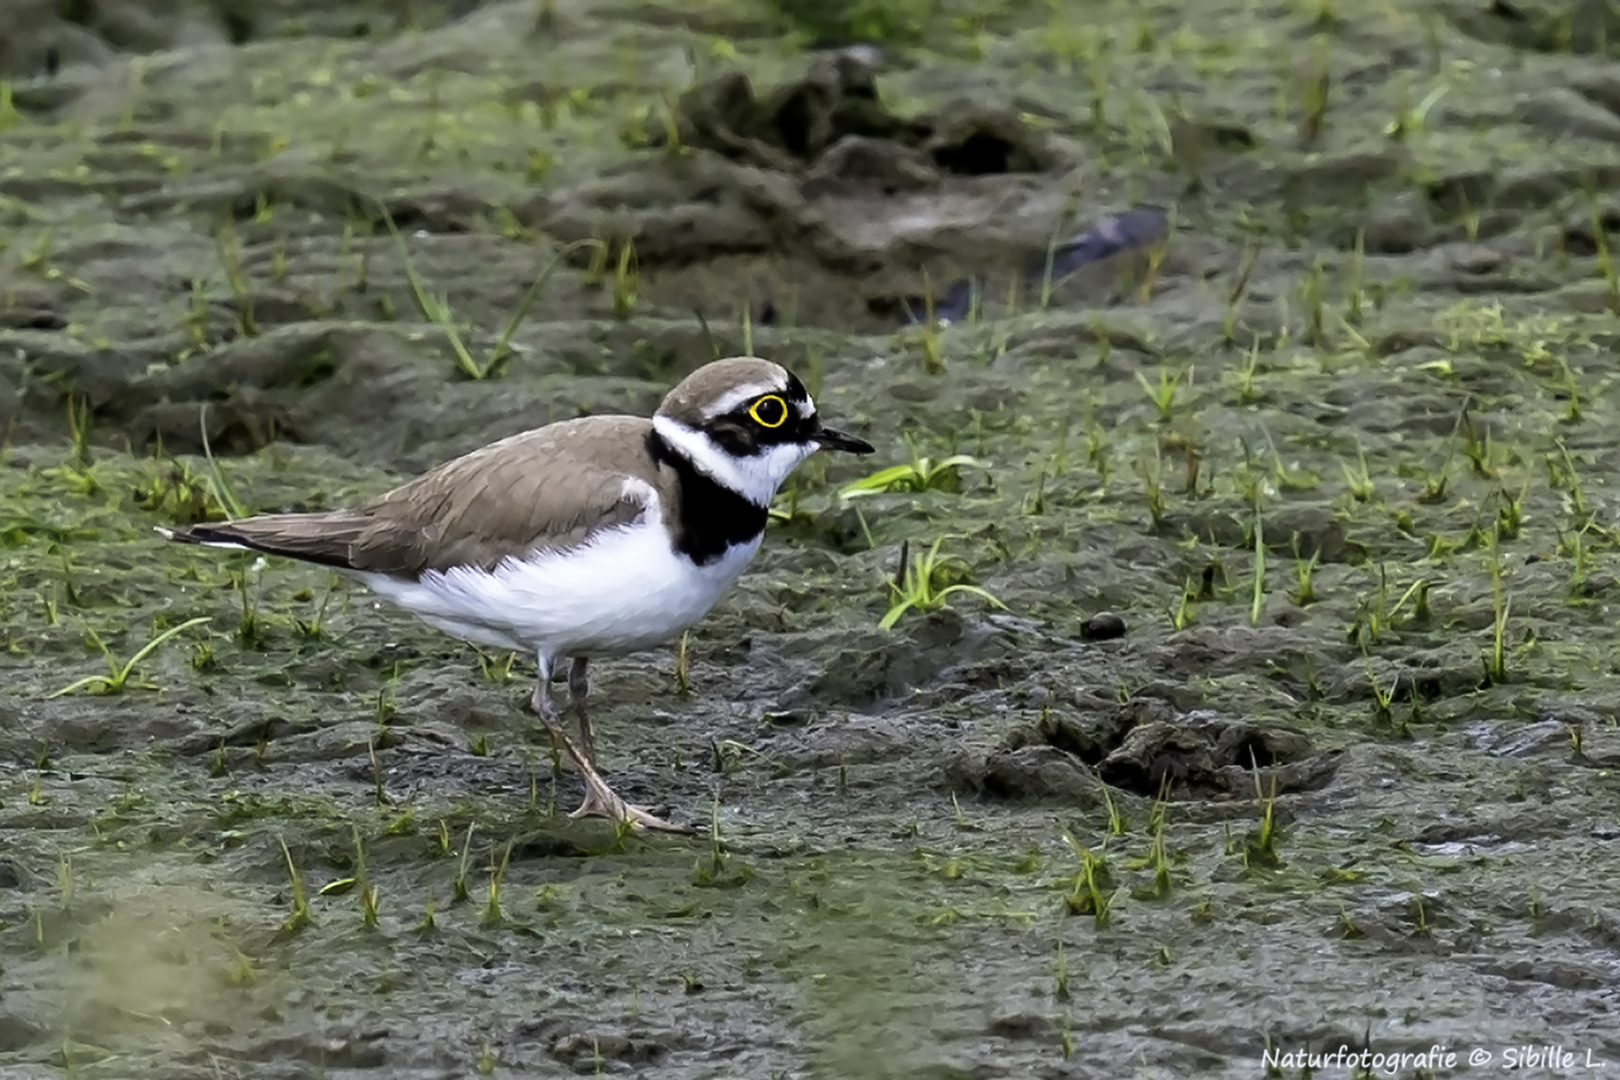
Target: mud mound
1144,747
833,123
808,174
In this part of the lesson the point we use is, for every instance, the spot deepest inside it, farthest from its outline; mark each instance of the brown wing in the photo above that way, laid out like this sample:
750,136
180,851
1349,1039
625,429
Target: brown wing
545,489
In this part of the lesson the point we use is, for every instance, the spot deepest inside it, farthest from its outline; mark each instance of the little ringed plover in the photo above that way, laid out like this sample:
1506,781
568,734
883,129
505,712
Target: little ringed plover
598,536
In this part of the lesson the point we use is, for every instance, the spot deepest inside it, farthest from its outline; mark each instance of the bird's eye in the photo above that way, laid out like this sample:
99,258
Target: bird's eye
769,411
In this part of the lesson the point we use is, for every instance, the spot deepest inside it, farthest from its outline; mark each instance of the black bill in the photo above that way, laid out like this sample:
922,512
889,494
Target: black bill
833,439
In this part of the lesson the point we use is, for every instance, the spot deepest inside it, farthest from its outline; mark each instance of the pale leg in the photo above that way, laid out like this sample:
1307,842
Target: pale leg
600,801
579,685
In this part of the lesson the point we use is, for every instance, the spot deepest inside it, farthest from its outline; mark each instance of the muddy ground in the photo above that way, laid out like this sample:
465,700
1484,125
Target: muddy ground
1339,454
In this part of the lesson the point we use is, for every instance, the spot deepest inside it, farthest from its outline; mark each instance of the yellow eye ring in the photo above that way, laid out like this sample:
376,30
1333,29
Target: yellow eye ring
768,400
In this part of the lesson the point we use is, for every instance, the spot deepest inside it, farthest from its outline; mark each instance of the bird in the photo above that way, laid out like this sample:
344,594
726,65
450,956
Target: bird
585,538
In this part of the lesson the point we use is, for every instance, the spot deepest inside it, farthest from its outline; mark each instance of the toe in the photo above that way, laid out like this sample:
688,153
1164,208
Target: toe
636,817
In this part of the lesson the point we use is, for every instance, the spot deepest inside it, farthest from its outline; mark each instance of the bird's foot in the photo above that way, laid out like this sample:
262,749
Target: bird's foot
600,801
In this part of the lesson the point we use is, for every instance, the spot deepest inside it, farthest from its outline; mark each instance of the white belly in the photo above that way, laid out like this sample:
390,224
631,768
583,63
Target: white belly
626,591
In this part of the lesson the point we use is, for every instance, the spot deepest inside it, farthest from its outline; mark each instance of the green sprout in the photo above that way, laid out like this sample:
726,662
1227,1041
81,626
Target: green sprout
1412,119
299,917
1184,613
1382,698
1260,849
1305,572
1157,858
1152,470
1163,393
1359,480
458,888
1092,892
626,281
683,666
927,583
117,677
1258,596
1248,391
920,474
1495,663
497,873
361,880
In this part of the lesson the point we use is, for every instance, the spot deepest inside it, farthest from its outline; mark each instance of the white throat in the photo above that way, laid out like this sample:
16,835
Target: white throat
755,477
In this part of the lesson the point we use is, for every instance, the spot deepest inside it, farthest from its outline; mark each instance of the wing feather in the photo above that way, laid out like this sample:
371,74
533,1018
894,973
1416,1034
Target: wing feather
547,489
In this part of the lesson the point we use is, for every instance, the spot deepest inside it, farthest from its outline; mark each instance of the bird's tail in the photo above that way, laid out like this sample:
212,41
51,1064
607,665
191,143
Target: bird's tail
325,539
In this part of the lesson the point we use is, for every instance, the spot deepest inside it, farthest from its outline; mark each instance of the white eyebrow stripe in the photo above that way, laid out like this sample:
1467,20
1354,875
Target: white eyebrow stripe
742,394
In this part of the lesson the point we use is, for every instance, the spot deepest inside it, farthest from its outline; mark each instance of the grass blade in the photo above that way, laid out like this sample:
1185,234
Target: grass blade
150,646
224,493
503,347
433,308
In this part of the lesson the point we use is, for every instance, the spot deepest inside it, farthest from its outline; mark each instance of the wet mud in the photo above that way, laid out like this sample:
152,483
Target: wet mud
1288,722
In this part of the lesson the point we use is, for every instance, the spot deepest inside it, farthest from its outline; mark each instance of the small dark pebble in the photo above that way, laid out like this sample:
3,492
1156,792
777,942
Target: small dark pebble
10,876
1103,626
